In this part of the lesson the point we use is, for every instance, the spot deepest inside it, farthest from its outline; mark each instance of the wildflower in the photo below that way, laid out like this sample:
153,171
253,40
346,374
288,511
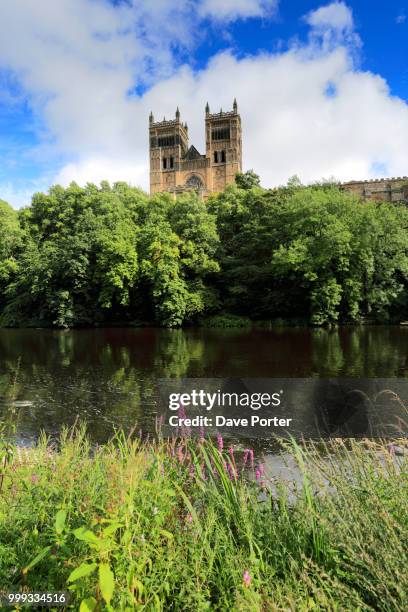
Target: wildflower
246,454
251,456
220,442
231,471
186,431
257,474
246,579
231,454
189,518
34,478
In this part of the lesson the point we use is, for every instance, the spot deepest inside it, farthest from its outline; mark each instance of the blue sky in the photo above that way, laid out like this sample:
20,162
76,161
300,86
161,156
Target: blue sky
322,87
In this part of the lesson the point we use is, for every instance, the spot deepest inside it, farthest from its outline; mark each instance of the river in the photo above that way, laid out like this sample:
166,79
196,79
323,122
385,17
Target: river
107,377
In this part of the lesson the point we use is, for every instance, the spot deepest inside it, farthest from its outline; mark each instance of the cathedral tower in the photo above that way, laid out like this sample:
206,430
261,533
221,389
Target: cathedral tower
176,167
168,141
223,138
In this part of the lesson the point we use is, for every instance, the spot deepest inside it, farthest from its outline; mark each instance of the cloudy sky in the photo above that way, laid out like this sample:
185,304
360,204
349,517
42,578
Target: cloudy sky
322,88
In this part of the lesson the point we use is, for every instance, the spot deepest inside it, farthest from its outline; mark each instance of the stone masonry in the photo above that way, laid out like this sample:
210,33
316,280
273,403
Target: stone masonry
176,166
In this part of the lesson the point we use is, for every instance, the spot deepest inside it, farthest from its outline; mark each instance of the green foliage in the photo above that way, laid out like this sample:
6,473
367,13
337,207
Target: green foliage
247,180
166,526
315,252
226,320
11,241
112,255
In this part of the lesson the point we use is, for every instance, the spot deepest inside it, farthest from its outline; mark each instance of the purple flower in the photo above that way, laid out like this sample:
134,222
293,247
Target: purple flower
246,455
220,442
246,578
185,431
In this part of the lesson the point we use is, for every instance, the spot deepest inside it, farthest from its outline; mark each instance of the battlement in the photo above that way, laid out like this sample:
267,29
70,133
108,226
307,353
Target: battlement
164,123
221,114
378,180
392,189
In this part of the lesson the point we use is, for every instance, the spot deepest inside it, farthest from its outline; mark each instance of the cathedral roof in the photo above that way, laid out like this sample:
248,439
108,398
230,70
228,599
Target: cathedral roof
192,153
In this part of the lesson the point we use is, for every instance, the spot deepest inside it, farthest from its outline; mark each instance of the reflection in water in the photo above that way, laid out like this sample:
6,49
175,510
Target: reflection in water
108,376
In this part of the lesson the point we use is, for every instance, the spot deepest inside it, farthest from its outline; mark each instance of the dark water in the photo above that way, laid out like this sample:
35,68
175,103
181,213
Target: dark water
108,376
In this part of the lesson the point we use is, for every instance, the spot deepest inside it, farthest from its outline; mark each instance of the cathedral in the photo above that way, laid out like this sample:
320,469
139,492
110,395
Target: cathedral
176,166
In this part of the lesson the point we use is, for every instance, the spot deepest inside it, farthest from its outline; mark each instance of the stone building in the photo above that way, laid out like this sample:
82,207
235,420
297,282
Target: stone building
389,190
176,166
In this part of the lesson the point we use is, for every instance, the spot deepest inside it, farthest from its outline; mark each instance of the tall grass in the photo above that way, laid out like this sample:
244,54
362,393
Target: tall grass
183,525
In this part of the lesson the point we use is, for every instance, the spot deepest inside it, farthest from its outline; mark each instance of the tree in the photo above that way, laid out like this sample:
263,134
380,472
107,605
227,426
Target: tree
247,180
177,243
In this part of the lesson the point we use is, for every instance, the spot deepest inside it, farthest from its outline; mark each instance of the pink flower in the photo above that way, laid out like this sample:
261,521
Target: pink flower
189,518
257,474
246,454
220,442
246,578
251,456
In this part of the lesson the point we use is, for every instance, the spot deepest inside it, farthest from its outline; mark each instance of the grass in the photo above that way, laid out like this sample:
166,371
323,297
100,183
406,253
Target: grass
184,525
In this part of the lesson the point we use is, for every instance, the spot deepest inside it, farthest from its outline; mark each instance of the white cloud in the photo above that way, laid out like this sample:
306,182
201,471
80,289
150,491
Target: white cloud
99,168
336,15
332,25
77,61
401,19
228,10
18,195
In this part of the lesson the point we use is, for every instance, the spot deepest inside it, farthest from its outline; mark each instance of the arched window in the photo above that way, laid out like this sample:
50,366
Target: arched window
194,182
215,157
223,157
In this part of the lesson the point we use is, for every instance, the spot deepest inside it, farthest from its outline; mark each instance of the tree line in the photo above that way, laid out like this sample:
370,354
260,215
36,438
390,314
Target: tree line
112,255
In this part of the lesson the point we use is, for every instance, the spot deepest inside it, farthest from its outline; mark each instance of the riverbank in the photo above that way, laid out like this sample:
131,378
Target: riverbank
182,525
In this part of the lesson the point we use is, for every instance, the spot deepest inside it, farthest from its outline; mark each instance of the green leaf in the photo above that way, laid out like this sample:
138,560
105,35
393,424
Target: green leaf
86,535
166,534
60,519
108,531
88,605
83,570
37,559
106,581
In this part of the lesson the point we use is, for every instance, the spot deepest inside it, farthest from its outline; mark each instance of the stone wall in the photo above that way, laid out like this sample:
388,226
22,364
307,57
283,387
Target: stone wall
384,189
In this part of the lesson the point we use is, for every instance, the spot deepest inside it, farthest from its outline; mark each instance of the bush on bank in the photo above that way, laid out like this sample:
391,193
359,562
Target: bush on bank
111,254
183,525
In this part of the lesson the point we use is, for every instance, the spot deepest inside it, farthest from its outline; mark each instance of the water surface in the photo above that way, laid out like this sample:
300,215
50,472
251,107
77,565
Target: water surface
107,377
